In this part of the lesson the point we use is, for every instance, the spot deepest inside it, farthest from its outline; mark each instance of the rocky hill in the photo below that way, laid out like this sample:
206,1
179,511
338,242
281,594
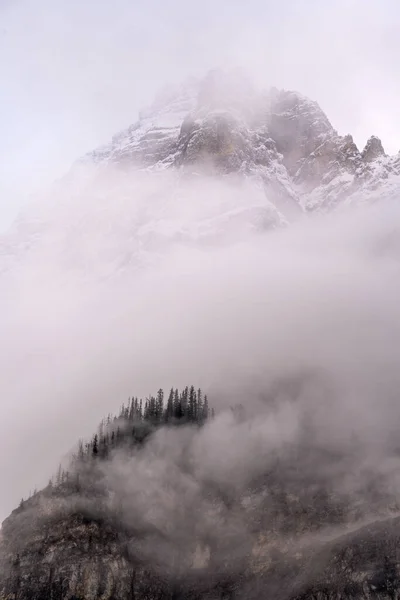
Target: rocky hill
144,512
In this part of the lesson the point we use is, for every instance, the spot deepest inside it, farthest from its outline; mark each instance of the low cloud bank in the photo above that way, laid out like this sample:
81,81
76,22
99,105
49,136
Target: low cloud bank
318,297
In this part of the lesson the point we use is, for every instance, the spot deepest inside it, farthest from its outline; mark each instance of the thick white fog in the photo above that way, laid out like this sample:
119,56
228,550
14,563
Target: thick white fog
230,312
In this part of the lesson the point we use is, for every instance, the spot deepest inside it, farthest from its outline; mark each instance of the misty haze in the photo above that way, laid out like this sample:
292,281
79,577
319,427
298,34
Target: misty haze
199,301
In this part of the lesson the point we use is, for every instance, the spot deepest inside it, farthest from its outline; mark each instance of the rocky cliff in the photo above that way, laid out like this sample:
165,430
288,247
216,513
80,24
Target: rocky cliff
54,547
77,556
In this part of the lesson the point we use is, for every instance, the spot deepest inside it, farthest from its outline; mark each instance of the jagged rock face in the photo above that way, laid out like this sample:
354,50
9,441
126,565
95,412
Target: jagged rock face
330,173
298,127
373,149
67,557
222,141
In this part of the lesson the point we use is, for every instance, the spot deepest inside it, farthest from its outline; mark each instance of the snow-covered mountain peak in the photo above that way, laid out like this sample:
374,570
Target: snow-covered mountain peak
373,149
252,159
224,124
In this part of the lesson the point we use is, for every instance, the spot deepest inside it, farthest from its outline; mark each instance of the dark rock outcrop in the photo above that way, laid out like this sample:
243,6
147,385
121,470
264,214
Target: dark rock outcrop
373,149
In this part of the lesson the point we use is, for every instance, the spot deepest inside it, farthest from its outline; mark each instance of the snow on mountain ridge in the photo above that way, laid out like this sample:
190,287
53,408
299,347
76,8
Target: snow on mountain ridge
222,122
156,127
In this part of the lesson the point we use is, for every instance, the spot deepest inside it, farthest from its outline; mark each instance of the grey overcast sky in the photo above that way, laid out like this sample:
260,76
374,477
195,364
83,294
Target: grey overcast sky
74,72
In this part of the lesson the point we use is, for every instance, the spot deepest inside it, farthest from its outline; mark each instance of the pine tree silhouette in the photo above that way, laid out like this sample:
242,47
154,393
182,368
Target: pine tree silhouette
135,421
95,447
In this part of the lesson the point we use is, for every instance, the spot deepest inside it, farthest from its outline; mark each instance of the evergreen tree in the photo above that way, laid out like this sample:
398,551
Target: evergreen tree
131,415
159,408
103,450
188,406
205,408
152,409
199,412
95,447
169,413
192,416
184,401
177,405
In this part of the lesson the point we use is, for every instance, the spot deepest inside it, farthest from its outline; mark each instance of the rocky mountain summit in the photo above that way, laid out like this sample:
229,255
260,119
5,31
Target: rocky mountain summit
210,161
223,123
